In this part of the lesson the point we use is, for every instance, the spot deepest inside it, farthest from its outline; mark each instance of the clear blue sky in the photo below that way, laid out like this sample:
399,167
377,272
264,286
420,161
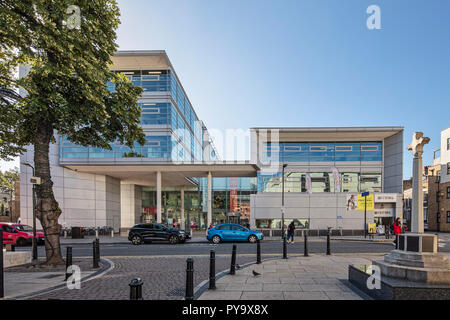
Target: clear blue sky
251,63
246,63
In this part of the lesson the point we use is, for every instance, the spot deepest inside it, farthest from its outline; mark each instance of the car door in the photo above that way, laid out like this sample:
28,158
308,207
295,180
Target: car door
159,232
145,230
226,232
239,233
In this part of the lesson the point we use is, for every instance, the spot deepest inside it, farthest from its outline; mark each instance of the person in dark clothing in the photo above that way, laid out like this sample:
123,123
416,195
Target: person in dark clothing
291,230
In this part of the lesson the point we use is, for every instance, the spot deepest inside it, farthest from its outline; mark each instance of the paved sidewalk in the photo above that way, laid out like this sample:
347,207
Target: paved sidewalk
318,277
27,280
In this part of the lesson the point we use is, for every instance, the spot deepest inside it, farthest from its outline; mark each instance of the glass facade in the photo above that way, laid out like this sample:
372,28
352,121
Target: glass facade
323,152
320,182
185,143
228,195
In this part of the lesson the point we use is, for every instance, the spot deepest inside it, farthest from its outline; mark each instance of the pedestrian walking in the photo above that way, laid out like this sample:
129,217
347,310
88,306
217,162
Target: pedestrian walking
397,229
291,230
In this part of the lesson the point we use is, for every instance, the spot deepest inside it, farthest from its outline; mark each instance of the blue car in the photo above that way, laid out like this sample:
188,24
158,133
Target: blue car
232,232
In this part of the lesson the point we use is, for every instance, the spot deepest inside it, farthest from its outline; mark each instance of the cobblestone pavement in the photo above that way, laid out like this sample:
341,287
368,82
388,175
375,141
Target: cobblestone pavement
164,278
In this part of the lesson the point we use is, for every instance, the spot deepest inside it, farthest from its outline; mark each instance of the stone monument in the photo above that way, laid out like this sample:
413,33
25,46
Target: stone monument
414,269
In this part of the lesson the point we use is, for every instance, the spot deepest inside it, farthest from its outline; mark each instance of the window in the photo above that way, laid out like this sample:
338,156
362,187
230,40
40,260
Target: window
448,216
448,167
238,228
437,196
448,143
448,192
438,217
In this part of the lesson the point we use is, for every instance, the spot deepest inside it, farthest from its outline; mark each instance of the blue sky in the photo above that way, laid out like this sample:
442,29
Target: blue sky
246,63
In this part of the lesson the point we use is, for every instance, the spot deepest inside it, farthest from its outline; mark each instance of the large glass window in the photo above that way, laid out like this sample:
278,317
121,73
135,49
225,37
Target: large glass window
370,182
350,182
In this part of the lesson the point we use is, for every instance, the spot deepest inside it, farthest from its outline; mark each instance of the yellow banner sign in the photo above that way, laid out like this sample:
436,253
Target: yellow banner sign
372,227
370,202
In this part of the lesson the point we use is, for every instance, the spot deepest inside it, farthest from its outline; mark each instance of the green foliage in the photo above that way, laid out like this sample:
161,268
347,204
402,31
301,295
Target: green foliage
66,84
132,154
8,179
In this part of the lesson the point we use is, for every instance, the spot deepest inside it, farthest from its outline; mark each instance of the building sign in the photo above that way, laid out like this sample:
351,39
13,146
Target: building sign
150,211
383,213
366,203
372,228
385,197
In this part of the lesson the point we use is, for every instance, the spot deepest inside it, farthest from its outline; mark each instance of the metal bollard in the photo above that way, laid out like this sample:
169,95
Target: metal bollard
68,261
2,290
94,254
98,248
258,251
233,261
189,279
112,233
328,245
65,233
96,233
305,253
212,269
136,289
284,248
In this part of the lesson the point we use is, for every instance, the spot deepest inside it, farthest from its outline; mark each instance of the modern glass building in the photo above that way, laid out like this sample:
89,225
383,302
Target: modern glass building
177,176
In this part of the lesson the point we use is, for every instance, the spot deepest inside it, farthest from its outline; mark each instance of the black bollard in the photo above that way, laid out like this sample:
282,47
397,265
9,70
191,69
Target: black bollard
284,248
97,247
136,289
189,279
212,269
2,290
233,261
68,261
305,253
94,254
328,245
258,251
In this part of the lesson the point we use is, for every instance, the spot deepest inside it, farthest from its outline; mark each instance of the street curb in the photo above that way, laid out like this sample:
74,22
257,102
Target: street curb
362,240
108,265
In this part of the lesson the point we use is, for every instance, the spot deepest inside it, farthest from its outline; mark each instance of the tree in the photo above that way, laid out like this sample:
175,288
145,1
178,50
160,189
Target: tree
8,180
68,45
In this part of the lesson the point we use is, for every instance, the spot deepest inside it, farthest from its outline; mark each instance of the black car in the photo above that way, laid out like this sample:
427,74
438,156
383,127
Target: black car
157,232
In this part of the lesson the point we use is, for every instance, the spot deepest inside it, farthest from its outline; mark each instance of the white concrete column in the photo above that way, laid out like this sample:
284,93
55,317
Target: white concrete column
158,198
209,217
182,207
417,224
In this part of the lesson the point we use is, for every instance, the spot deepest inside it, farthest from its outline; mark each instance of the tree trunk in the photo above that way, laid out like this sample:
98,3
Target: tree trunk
47,208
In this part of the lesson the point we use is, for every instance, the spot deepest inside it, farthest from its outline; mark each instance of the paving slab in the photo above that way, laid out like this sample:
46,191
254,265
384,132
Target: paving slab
318,277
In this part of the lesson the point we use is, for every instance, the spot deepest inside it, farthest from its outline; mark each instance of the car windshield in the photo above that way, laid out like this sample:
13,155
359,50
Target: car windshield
23,227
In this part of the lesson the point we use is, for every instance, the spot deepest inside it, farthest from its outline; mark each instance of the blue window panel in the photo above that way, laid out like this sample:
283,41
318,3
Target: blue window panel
295,152
321,152
371,151
74,155
347,151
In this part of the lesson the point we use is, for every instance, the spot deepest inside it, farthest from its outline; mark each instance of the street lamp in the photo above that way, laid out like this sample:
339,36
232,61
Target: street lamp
34,246
282,212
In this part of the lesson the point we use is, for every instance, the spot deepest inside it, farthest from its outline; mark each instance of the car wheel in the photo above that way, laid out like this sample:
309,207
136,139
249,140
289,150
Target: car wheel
173,239
216,239
252,239
136,240
21,242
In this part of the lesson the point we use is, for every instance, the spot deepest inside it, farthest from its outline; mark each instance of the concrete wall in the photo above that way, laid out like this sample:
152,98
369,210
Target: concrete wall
322,209
86,200
393,164
131,205
445,155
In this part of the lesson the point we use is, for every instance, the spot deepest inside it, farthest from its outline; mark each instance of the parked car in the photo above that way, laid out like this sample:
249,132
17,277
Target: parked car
232,232
19,234
158,232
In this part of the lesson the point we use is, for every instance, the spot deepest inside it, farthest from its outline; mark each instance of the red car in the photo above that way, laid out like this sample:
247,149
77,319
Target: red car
19,234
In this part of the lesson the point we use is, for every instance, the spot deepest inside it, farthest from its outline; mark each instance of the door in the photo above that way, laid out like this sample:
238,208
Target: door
226,233
159,232
239,233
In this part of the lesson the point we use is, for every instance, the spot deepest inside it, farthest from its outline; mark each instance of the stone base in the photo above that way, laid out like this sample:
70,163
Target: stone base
417,242
11,259
396,289
418,267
